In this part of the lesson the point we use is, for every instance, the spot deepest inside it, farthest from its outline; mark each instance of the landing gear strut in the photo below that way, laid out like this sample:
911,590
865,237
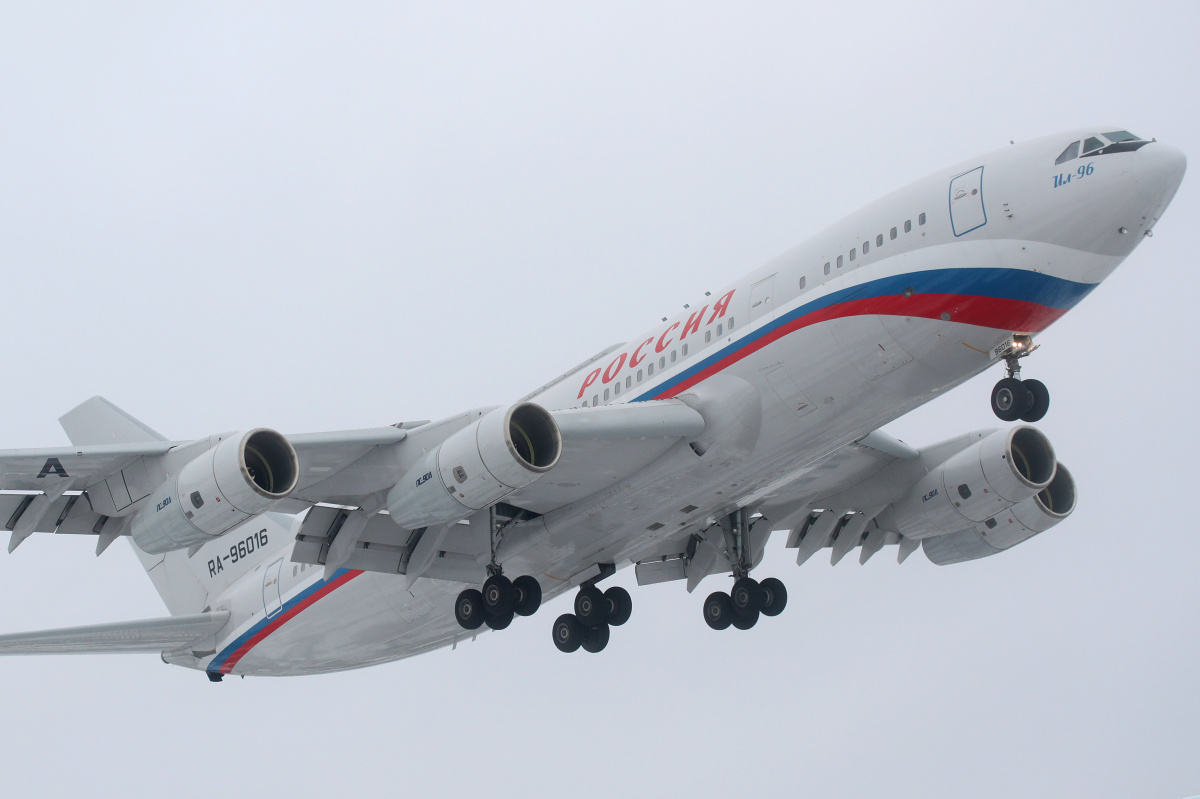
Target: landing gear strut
501,599
596,613
1014,398
749,599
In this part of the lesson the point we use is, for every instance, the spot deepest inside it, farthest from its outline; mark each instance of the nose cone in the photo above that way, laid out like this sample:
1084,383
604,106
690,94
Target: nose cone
1158,171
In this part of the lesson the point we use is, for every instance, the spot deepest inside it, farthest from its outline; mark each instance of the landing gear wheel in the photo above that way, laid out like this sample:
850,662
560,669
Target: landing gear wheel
620,605
595,639
499,622
1039,400
1009,399
468,609
591,606
774,597
744,621
527,595
746,597
498,595
718,610
568,633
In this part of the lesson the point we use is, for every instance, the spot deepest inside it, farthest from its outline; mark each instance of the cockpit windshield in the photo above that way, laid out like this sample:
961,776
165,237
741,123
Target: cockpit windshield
1118,141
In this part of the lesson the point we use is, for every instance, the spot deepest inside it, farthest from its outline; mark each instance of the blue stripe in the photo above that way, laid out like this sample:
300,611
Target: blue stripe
1006,284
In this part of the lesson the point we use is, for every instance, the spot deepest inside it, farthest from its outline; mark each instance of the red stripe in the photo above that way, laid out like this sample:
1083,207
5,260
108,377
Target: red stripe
993,312
291,613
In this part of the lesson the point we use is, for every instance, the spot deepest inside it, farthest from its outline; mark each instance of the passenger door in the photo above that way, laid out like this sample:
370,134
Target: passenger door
966,202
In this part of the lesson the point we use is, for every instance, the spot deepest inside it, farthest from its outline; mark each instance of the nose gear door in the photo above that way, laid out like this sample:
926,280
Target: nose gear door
966,202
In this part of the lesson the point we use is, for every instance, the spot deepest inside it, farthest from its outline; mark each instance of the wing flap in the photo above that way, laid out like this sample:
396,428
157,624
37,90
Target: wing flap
147,635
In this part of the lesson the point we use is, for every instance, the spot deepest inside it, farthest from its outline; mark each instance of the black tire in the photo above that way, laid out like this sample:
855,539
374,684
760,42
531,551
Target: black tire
1039,397
568,633
595,639
718,610
1009,399
774,597
746,596
498,596
591,606
620,605
744,621
468,609
528,595
499,622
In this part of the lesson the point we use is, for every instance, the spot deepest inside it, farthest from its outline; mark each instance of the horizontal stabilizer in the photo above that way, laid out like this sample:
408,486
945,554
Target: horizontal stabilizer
148,635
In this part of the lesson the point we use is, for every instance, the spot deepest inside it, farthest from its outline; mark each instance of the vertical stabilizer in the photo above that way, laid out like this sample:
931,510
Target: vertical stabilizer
98,421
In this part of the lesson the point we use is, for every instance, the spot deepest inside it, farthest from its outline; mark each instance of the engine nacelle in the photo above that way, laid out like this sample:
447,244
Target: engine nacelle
476,467
992,475
244,475
1019,523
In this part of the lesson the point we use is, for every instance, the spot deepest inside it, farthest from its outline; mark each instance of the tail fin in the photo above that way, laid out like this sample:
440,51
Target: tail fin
98,421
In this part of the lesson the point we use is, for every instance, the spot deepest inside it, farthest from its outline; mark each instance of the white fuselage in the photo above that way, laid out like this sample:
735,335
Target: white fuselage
865,321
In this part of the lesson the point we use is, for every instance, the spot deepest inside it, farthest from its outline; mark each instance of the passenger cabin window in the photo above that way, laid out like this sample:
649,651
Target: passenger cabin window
684,349
650,368
662,362
606,395
1091,144
595,400
826,272
629,382
921,219
866,249
892,234
672,356
852,254
908,226
879,239
1071,152
731,323
801,286
840,261
721,328
827,264
707,336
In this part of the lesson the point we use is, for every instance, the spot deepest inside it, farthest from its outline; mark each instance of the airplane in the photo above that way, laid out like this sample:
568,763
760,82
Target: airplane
758,408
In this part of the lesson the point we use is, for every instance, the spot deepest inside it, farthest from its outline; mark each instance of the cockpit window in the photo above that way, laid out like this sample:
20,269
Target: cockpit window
1072,151
1121,135
1093,143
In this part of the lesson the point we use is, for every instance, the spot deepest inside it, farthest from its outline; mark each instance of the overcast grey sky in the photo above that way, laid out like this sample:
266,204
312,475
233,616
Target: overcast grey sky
229,215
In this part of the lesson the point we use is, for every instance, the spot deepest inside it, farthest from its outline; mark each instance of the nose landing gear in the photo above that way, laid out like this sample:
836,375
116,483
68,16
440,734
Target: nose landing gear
1014,398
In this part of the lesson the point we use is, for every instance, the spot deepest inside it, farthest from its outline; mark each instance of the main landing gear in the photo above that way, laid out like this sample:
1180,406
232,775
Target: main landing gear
749,599
1014,398
596,612
501,599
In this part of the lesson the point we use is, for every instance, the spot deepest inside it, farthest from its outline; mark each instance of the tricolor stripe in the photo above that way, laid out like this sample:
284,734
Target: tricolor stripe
1004,299
224,662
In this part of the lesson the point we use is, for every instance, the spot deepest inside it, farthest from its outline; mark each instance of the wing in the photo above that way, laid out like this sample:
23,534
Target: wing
149,635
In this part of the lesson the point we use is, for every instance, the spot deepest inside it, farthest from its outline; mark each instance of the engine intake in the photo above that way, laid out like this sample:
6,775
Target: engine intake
999,471
478,466
1019,523
244,475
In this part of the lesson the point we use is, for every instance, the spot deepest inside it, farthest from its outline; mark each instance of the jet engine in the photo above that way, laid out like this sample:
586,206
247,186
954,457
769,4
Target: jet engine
476,467
1019,523
998,472
244,475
